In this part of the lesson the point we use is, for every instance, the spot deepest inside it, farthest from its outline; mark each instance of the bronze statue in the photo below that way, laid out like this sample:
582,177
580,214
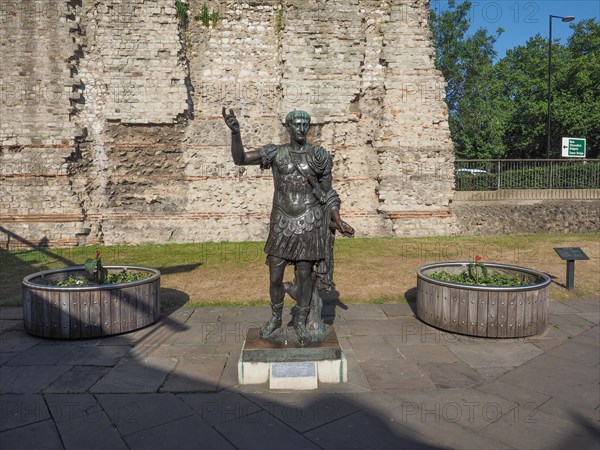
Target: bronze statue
304,218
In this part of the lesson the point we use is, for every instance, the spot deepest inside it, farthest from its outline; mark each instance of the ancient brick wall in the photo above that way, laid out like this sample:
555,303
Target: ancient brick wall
129,147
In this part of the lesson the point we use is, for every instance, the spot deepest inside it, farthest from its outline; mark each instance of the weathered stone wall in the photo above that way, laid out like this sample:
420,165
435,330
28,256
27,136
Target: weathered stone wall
130,147
38,93
527,211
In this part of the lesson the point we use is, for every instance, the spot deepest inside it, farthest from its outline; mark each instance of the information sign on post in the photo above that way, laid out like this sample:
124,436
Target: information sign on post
573,147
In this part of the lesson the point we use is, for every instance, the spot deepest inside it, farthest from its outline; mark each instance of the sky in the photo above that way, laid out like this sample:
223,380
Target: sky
524,19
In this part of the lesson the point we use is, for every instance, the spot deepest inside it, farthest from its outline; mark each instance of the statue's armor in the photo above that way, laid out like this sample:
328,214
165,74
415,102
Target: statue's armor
296,231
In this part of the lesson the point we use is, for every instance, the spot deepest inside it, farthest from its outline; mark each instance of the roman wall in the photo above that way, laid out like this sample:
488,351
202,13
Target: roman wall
111,129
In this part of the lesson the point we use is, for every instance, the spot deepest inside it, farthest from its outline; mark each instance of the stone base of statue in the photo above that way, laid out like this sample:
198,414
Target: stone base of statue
280,362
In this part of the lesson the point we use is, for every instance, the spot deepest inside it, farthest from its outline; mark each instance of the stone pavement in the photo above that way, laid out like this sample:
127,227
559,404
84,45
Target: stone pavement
174,386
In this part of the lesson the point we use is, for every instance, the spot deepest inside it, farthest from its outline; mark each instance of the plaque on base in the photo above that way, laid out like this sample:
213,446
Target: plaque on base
285,366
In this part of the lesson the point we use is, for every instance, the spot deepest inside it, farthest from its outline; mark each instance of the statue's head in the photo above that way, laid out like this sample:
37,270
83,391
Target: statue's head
298,124
297,114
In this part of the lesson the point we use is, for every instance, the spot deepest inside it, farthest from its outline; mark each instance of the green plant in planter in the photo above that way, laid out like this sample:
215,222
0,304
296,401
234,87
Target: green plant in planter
478,274
97,274
477,271
95,271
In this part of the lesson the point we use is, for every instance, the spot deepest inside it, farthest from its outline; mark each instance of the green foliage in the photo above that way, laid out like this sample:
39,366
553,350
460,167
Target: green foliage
207,17
95,271
471,277
579,176
181,8
72,281
279,17
500,110
475,109
124,276
483,182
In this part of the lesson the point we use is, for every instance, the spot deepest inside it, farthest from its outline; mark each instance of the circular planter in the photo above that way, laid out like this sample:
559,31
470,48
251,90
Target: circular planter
90,311
486,311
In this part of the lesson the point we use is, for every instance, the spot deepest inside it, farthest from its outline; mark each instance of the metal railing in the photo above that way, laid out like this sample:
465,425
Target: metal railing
495,174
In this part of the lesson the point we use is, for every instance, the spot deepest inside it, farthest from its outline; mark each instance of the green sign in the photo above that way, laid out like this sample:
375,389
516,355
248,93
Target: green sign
573,147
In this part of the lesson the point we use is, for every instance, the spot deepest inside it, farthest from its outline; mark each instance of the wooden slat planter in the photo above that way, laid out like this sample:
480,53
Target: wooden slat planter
90,311
498,312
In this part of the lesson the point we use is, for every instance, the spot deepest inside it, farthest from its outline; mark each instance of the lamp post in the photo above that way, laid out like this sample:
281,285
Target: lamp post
564,19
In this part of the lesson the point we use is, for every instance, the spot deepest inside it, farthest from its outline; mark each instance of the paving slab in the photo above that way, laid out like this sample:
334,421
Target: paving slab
17,341
559,307
131,413
91,431
425,353
452,418
221,406
229,377
196,374
398,326
471,409
366,429
569,323
584,305
192,334
415,332
550,338
395,374
39,436
305,411
542,431
213,314
77,380
6,357
11,313
397,309
42,355
557,378
592,317
363,312
188,433
571,411
105,355
262,431
28,379
589,337
12,326
382,351
516,394
251,314
495,355
577,352
17,410
136,375
180,350
489,374
68,407
452,375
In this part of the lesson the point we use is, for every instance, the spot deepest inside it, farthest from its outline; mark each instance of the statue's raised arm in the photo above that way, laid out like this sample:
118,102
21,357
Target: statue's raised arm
240,156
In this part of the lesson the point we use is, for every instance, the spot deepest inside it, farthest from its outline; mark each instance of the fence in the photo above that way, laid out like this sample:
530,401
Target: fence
494,174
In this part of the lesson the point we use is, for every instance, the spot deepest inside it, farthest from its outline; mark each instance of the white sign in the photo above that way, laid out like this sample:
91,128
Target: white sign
573,147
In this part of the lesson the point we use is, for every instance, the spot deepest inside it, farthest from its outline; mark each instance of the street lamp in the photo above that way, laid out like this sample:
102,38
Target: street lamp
564,19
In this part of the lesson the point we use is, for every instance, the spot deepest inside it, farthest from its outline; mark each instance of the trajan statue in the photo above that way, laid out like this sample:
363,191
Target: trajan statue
304,219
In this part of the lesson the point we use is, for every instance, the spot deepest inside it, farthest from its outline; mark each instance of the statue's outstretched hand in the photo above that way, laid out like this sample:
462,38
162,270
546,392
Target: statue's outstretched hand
343,227
231,121
347,230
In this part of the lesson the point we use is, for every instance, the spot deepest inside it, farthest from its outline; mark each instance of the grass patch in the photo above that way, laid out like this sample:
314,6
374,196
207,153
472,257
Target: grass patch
378,270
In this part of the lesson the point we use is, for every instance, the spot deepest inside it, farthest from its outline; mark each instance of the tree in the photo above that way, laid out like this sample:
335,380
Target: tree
523,73
475,109
576,111
500,110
